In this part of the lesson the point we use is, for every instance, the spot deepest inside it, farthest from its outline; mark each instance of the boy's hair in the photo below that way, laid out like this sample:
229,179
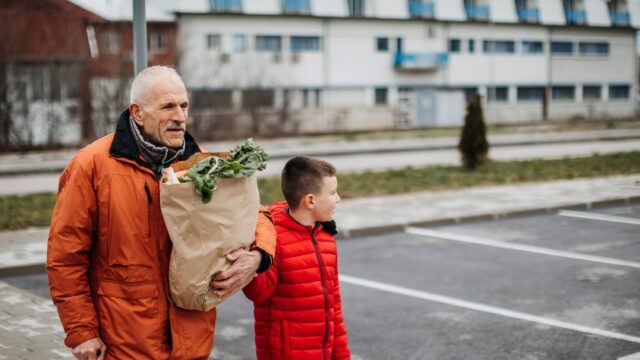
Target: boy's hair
303,175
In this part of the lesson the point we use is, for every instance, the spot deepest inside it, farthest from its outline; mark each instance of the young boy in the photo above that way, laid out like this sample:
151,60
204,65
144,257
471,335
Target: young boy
298,314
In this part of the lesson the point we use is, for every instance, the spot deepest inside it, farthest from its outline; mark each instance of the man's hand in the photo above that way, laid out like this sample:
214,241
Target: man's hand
93,349
243,268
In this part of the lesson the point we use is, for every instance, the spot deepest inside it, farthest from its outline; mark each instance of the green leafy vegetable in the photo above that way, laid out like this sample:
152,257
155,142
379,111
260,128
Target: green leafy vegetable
245,159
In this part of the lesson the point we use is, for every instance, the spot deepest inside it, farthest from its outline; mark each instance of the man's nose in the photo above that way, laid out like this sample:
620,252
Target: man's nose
179,115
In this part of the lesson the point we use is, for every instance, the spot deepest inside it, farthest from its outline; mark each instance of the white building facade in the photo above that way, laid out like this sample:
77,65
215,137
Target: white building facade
368,64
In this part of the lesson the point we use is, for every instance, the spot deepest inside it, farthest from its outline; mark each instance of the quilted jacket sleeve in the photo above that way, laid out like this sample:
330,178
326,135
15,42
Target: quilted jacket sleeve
340,342
262,287
70,239
265,233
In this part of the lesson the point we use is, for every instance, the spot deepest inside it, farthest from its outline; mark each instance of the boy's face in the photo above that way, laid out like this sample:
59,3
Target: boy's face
324,203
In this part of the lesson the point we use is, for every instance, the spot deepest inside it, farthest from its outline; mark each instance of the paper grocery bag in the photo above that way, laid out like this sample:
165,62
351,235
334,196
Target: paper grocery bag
202,234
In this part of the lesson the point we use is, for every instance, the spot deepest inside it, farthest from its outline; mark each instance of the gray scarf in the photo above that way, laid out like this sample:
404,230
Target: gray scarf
158,157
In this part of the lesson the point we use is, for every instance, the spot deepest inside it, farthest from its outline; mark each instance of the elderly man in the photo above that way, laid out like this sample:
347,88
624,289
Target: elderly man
108,250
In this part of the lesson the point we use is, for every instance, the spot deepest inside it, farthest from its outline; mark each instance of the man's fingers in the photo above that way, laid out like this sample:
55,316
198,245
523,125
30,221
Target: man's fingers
234,255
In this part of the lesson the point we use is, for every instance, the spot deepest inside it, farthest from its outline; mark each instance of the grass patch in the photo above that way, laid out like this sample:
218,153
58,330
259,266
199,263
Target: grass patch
17,212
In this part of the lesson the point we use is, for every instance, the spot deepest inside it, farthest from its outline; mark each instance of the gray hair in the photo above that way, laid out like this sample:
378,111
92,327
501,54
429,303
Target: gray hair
140,85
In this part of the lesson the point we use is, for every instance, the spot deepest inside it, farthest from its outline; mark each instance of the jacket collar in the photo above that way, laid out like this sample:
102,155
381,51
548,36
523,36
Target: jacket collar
124,144
280,212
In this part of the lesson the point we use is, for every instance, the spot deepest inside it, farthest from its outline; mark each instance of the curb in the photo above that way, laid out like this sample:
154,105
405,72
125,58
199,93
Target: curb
386,229
349,234
396,149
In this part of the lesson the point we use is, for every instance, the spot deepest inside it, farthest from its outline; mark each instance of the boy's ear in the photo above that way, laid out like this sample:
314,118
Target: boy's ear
308,201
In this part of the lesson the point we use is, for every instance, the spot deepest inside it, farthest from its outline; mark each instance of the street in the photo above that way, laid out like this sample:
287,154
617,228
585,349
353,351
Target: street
556,286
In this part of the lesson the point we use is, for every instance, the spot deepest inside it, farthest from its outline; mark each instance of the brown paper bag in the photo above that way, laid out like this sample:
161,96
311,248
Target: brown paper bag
202,234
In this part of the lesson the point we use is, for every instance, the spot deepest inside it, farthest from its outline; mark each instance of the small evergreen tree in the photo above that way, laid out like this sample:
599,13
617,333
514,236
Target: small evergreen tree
473,143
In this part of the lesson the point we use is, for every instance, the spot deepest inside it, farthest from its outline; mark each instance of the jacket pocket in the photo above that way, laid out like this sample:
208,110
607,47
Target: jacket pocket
118,290
285,345
128,274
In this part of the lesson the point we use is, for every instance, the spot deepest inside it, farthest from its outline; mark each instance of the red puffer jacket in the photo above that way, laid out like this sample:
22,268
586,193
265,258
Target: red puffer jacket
297,301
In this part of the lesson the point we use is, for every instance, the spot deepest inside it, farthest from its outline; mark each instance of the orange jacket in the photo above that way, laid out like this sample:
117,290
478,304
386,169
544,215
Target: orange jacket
108,255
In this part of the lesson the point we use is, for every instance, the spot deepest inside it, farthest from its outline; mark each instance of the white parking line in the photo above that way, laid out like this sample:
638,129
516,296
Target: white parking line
635,356
520,247
601,217
484,308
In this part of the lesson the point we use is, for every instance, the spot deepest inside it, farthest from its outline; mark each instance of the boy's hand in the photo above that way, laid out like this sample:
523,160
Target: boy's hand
93,349
243,268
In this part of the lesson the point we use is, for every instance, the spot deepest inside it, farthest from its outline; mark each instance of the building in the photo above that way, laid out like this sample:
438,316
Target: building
344,65
67,65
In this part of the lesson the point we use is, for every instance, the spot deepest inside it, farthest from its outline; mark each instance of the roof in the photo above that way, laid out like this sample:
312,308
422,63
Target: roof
122,10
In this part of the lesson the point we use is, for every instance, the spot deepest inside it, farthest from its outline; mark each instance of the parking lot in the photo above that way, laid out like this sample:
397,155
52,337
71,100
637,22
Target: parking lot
557,286
536,287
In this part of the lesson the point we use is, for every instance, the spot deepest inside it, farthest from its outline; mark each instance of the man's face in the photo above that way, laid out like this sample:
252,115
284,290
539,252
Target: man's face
163,111
324,203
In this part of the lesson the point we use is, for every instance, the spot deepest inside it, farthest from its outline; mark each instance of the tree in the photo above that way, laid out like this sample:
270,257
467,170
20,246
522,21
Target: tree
473,144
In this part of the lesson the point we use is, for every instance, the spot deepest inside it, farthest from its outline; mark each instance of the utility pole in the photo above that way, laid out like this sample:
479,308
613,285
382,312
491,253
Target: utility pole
139,36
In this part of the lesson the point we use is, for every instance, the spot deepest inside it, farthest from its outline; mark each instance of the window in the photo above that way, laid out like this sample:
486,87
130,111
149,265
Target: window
382,44
499,46
305,44
226,5
110,42
239,43
476,10
593,48
498,93
381,96
268,43
211,99
563,92
296,6
55,84
454,45
472,46
561,48
532,47
421,9
157,42
618,92
469,93
574,11
257,98
356,7
318,97
530,93
37,83
527,11
214,42
591,92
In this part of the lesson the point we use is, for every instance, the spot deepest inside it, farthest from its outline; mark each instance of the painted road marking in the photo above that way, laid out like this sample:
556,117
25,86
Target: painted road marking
520,247
635,356
601,217
484,308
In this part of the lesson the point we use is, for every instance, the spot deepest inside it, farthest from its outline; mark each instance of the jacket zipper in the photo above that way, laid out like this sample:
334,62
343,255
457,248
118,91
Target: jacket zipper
149,202
324,292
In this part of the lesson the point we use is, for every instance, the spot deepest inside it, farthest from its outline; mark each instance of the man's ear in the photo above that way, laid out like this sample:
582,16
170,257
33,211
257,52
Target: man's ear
308,201
136,113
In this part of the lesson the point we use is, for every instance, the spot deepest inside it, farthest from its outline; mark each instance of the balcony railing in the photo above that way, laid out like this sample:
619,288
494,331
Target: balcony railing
226,5
419,61
576,16
478,12
296,6
621,18
528,15
421,10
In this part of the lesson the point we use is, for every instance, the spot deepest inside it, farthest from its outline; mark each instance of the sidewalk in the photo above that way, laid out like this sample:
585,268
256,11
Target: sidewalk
29,328
54,161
